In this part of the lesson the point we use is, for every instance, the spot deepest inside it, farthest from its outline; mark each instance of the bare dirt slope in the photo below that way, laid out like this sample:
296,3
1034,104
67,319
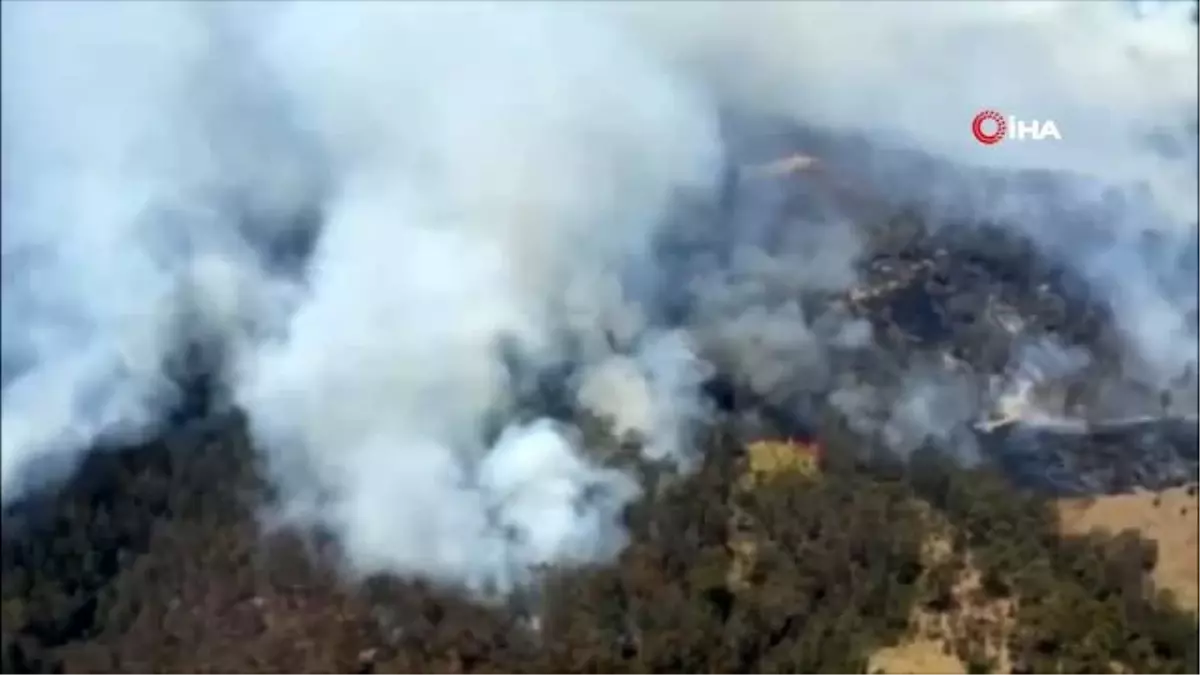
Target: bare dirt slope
1169,518
918,655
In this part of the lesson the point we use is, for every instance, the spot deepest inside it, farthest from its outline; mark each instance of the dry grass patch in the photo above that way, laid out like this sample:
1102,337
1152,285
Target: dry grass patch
1168,518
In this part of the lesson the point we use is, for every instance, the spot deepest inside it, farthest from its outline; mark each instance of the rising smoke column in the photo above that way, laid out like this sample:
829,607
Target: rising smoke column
486,177
493,166
139,165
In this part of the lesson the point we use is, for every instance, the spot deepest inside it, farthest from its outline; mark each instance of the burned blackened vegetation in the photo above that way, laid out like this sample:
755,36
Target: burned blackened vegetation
978,299
803,555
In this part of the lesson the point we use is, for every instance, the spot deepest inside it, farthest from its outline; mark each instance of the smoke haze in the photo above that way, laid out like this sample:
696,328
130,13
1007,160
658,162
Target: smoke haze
381,221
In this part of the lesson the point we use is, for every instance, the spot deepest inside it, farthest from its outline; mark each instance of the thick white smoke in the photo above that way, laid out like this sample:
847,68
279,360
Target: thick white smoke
482,184
1122,92
487,159
486,175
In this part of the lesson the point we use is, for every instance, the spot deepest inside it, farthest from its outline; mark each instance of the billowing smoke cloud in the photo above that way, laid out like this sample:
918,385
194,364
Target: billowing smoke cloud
139,169
1115,199
486,177
488,159
382,221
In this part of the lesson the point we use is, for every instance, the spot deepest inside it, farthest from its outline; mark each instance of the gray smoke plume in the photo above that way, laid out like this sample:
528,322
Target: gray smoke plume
1115,199
377,219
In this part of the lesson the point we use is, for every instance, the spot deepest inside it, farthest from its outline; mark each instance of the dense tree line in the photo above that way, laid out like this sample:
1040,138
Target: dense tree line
156,565
1085,604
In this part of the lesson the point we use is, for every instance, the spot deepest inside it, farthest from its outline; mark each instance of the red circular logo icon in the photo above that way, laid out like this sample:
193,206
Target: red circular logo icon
989,116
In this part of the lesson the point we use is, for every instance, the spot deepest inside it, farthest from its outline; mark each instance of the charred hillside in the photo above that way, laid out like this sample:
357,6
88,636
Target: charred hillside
977,298
978,337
